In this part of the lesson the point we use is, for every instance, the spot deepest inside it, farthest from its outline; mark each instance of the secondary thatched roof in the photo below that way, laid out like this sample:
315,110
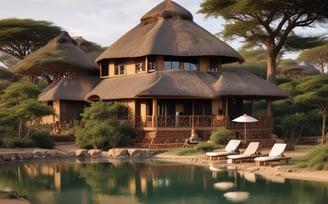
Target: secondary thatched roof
91,49
304,69
72,88
60,55
185,84
168,29
245,84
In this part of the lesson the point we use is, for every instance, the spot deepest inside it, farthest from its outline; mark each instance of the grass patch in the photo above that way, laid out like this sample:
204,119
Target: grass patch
316,159
200,148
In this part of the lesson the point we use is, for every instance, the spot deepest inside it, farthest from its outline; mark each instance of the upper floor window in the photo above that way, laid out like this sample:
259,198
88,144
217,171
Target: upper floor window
214,64
120,68
152,63
140,65
104,68
190,63
186,63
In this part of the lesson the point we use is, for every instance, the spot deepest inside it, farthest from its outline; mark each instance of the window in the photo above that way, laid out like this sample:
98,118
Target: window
123,112
171,65
140,65
214,64
104,68
190,66
152,63
120,68
186,63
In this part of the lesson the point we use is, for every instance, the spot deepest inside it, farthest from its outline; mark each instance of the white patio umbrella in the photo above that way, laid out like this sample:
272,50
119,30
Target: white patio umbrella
245,119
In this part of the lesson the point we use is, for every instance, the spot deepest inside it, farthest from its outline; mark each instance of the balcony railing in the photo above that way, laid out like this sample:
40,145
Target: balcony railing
204,121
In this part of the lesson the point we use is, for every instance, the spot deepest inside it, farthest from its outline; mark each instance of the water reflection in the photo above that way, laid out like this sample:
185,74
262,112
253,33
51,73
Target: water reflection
150,181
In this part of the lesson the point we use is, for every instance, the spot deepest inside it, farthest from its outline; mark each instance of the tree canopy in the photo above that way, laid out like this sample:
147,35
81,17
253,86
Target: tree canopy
266,22
19,37
314,92
19,108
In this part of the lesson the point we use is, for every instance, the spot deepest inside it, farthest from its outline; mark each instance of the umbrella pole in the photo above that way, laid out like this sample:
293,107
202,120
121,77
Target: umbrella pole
245,133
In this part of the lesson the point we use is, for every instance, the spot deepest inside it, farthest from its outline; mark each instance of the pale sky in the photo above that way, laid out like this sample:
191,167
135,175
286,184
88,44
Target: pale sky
99,21
104,21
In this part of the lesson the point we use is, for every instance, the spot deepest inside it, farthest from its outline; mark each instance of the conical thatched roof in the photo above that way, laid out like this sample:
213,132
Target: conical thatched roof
60,55
245,84
168,29
186,84
73,88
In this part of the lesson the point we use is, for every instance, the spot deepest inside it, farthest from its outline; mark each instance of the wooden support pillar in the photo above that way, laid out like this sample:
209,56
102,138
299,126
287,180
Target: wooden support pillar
268,108
155,112
226,111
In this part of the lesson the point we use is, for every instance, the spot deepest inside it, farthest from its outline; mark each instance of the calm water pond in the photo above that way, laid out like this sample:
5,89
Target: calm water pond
150,181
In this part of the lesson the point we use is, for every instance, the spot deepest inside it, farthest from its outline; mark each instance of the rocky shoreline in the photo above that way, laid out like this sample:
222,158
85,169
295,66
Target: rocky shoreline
37,154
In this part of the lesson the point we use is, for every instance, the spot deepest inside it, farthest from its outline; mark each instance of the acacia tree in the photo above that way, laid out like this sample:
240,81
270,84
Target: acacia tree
266,22
20,109
19,37
317,56
314,92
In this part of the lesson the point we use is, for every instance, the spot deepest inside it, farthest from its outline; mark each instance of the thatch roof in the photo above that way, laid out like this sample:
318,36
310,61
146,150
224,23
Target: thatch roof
245,84
168,29
185,84
73,88
91,49
61,54
304,69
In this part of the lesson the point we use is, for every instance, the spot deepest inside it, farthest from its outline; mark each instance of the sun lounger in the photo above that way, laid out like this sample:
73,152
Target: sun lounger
231,148
276,154
249,154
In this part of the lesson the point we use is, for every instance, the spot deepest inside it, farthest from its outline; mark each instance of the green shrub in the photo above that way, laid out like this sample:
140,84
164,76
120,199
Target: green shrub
104,134
101,128
43,139
15,142
221,136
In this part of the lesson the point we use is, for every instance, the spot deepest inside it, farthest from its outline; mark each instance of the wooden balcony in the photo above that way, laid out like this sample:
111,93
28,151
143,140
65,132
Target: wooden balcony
200,121
171,131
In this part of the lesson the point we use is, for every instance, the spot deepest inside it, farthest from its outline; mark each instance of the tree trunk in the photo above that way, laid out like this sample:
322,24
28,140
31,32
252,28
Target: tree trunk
271,65
323,128
20,128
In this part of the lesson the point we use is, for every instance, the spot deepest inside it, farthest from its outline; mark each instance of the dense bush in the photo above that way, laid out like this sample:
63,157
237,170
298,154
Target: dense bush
317,159
101,128
43,139
15,142
221,136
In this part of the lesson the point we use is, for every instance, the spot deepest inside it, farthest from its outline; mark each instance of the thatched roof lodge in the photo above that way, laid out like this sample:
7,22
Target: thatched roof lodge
71,72
168,71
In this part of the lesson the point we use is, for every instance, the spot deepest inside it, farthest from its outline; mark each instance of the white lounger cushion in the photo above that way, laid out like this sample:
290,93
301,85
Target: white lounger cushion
239,156
267,158
232,146
251,150
275,153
